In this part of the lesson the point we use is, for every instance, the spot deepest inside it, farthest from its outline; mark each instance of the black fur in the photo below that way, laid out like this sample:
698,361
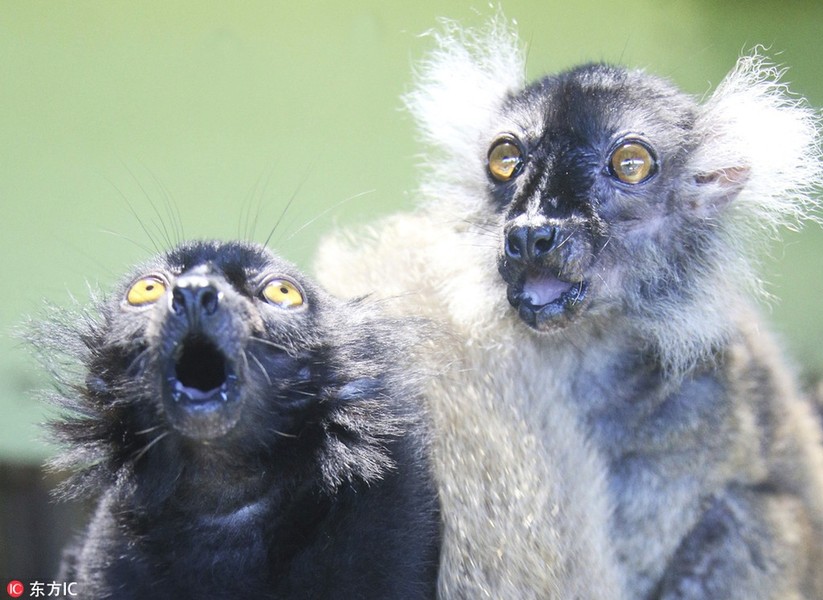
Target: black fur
298,470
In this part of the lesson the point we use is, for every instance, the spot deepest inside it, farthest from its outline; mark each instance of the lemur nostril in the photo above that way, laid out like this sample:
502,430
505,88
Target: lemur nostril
209,300
542,246
516,243
543,241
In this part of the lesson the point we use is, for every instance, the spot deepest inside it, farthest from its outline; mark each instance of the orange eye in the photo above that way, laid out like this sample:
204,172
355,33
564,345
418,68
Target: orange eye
505,158
283,293
146,291
632,162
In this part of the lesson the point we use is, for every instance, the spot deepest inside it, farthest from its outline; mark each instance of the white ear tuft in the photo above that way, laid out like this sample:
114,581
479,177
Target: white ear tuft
753,124
459,89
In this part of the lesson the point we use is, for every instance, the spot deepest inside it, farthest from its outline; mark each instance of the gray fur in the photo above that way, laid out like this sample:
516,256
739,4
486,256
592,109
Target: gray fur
643,432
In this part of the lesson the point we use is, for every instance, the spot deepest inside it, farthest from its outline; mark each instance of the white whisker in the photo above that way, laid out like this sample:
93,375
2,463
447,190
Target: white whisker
262,368
148,446
283,434
146,431
288,351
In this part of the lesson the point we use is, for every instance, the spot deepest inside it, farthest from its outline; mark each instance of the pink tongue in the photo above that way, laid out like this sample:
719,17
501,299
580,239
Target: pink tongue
543,289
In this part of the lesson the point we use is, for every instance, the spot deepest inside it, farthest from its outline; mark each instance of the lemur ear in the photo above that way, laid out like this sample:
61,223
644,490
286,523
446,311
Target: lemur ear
458,89
719,187
758,148
464,79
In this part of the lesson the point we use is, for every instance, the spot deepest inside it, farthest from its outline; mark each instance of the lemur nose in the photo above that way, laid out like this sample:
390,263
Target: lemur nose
529,243
195,297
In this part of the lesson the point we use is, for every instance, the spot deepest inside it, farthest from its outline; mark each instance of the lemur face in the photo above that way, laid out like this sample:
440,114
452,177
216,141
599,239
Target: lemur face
587,172
210,329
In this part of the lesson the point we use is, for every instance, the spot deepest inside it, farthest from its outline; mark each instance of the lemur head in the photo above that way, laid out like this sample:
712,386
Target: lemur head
209,329
606,193
601,208
222,352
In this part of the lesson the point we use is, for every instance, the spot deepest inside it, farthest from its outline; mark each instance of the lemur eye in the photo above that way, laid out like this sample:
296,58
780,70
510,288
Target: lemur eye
283,293
505,158
147,290
632,162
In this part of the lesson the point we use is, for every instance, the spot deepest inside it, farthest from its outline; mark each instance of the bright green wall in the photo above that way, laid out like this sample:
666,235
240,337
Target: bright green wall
231,109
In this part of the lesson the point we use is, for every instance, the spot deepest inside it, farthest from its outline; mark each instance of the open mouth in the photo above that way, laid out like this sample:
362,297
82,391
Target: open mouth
545,301
201,372
201,389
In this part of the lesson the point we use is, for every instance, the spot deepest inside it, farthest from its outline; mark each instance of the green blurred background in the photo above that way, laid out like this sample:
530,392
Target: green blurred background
229,110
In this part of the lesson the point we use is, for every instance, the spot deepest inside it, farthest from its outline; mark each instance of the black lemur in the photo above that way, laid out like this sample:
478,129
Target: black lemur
589,238
248,436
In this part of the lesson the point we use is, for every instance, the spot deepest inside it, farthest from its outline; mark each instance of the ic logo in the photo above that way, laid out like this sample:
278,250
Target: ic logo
15,589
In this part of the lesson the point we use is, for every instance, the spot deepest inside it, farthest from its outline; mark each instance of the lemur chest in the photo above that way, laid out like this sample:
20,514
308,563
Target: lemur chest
662,443
633,410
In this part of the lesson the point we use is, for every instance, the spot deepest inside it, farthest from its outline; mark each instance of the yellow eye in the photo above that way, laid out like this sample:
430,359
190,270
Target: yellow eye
283,293
632,162
504,158
146,291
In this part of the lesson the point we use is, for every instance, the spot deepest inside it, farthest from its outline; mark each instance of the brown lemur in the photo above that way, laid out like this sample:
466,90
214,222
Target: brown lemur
618,413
